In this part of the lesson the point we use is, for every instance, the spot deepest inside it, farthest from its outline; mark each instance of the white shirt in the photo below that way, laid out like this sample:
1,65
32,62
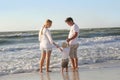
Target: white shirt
73,29
65,53
45,39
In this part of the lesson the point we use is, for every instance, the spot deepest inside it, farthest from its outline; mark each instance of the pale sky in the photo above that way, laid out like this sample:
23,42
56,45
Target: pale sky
19,15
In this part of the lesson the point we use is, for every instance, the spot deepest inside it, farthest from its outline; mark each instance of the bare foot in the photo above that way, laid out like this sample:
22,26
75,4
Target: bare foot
66,70
73,69
48,71
40,71
61,71
77,69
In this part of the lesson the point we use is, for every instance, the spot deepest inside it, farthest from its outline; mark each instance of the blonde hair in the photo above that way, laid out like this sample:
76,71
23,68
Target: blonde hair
64,45
47,21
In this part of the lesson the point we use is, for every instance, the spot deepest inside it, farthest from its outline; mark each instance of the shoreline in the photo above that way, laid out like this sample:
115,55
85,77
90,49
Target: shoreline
106,71
94,74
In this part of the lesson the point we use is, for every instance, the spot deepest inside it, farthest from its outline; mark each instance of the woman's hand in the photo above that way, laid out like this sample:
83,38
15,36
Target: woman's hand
55,44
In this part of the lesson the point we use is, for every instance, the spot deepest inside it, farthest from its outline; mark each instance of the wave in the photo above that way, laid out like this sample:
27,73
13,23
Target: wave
24,57
99,40
82,41
18,48
32,36
16,35
84,33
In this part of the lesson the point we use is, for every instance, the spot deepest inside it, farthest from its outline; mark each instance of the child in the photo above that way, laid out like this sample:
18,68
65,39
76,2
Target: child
65,56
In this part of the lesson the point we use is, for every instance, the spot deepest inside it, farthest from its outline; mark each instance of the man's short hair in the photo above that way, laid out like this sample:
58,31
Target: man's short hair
69,19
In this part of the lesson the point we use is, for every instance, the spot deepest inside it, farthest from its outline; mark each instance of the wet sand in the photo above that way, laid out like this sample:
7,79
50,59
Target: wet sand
93,74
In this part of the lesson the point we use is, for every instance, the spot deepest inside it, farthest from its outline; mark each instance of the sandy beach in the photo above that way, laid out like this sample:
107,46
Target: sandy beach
101,74
109,72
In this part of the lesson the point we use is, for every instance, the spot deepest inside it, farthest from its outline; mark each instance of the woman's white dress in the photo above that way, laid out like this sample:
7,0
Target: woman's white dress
46,41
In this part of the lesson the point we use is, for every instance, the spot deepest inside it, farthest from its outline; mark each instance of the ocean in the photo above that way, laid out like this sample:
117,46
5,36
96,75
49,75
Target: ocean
19,51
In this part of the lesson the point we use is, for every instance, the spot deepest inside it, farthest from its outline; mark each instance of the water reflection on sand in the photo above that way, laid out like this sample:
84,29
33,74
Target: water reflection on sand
60,76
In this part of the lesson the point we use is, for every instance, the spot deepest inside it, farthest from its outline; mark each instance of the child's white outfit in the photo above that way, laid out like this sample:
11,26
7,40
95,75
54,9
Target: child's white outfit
65,57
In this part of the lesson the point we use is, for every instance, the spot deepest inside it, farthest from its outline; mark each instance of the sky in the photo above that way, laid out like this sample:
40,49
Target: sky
22,15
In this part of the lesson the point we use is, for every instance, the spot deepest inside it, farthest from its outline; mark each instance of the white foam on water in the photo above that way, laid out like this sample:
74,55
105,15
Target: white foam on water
23,58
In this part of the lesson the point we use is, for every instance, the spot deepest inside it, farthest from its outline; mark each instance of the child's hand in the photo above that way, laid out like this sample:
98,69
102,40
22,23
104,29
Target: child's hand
60,49
57,46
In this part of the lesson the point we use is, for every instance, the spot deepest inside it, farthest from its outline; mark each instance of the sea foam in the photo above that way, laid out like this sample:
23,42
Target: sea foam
21,58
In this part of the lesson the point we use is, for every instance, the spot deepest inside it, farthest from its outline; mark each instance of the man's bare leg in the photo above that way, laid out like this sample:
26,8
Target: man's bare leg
62,70
76,63
73,64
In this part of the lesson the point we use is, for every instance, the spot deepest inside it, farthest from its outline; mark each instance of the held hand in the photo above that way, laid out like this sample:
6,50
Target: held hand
57,46
68,40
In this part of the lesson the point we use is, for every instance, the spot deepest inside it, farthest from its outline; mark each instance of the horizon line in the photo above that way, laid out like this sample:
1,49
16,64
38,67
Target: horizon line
57,29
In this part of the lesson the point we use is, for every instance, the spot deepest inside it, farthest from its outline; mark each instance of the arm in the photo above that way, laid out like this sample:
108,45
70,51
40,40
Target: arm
58,46
39,36
74,36
60,49
55,44
48,34
74,29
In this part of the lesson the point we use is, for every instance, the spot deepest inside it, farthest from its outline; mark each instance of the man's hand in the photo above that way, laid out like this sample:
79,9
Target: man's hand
68,40
74,36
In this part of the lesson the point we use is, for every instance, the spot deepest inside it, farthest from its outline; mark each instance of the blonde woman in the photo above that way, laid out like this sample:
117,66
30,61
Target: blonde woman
46,43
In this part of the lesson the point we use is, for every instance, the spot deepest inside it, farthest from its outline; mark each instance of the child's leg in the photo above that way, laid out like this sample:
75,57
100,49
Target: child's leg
67,66
66,69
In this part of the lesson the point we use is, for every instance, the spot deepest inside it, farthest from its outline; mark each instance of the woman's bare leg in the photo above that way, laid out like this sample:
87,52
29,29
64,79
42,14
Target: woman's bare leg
43,55
48,60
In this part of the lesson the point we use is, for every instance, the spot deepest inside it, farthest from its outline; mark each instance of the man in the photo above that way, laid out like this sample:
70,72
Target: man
73,42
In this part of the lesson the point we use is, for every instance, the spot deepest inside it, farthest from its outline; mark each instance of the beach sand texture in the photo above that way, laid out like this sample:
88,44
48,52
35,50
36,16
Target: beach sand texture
103,74
101,71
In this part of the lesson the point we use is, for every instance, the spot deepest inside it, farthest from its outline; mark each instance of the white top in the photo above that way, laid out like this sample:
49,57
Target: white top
73,29
65,53
45,39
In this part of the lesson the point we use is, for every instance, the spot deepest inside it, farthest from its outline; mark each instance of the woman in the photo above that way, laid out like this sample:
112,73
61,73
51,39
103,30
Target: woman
46,43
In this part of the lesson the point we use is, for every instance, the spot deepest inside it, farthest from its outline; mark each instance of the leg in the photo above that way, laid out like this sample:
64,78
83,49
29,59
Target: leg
76,63
73,64
67,65
43,55
72,57
75,57
66,69
48,61
62,69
